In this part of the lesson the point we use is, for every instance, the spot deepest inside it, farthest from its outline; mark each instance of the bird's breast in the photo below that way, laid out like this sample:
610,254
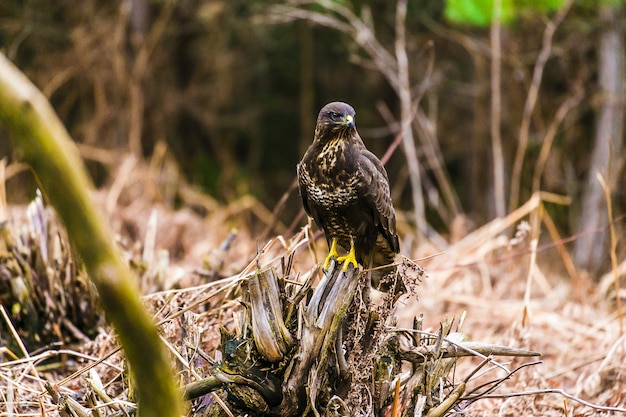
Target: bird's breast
331,175
332,158
333,193
329,186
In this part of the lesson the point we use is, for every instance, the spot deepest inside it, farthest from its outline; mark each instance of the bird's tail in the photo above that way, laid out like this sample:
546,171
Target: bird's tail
384,277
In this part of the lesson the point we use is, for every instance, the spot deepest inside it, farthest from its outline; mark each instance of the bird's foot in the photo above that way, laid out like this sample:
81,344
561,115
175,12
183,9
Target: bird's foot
350,258
331,254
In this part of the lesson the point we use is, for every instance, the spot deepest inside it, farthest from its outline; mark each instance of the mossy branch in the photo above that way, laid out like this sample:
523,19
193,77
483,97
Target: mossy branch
40,139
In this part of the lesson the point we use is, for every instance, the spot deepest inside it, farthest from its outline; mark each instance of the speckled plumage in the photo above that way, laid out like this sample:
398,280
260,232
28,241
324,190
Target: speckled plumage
345,189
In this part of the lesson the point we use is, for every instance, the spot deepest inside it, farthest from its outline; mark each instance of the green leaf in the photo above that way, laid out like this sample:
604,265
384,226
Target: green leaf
480,12
476,12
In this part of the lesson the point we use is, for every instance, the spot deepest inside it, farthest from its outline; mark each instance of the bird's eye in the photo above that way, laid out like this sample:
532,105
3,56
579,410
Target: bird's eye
334,115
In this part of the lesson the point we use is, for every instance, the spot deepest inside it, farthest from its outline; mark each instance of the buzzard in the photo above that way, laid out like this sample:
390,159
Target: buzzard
345,189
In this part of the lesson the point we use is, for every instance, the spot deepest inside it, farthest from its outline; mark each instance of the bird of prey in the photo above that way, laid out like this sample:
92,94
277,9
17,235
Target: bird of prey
345,189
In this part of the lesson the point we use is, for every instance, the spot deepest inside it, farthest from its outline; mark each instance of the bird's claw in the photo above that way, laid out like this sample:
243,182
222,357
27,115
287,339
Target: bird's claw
331,254
327,262
347,260
350,258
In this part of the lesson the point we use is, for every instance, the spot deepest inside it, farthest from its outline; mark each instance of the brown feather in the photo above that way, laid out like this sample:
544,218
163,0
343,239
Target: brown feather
345,189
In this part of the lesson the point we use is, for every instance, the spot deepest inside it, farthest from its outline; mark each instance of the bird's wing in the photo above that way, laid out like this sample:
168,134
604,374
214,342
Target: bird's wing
377,195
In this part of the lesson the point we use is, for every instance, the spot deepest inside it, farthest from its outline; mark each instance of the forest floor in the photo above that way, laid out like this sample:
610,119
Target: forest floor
491,280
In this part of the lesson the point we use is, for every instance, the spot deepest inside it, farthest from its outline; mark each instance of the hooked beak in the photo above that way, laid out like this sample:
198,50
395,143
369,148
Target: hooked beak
349,121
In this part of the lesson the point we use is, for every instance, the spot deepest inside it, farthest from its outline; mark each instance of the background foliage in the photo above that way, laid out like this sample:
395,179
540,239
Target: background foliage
234,94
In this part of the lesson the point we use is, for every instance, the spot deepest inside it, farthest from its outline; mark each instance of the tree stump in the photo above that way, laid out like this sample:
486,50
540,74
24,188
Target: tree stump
330,351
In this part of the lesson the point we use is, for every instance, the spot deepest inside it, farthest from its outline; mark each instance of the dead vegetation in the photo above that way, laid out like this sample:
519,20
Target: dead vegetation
213,298
211,281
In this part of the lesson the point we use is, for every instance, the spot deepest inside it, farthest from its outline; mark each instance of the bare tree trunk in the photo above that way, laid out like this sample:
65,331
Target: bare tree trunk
406,110
591,249
496,103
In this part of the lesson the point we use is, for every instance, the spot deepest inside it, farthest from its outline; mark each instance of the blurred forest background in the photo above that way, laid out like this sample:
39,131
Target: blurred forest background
489,101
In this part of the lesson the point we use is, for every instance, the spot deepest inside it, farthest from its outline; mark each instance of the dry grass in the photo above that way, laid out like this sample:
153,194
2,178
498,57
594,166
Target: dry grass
505,288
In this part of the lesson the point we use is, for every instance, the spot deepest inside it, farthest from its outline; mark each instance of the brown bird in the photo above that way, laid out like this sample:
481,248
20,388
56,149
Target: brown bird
345,189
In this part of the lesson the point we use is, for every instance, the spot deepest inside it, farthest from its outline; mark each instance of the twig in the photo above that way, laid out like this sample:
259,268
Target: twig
559,242
494,384
403,91
456,349
496,103
613,249
19,342
51,353
559,391
397,141
278,209
426,132
551,132
535,231
86,368
531,100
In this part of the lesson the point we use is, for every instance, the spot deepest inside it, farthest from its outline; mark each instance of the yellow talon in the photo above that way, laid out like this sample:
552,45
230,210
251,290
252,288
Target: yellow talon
332,254
350,258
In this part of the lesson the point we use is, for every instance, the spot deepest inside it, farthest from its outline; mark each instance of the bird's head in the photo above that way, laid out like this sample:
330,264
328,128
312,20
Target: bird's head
335,118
